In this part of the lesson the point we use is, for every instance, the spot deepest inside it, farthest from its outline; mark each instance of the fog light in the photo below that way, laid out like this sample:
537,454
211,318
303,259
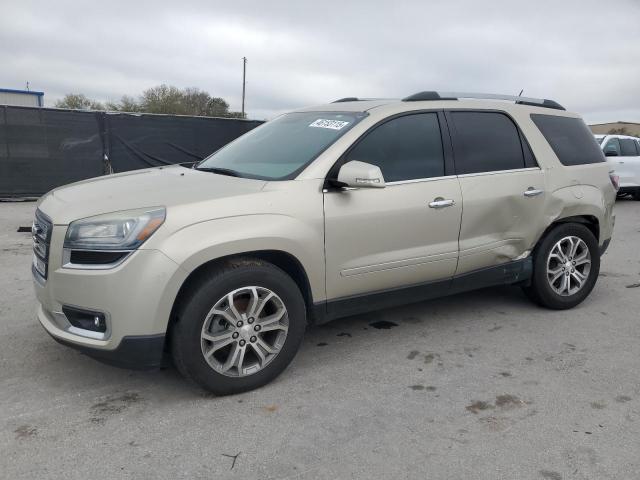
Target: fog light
86,319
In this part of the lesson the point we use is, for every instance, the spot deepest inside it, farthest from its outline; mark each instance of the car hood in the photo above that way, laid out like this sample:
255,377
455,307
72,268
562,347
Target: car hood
162,186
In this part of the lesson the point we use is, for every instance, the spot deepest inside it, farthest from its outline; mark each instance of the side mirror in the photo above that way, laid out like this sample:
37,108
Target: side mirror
360,175
611,153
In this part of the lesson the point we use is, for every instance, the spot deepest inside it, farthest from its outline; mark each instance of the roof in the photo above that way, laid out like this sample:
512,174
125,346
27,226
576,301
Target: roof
23,92
436,100
396,106
353,106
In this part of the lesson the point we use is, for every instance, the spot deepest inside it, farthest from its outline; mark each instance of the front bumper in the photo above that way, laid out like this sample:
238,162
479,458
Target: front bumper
140,352
136,297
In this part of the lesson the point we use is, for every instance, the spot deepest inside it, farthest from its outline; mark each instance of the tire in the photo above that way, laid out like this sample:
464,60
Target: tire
271,288
636,194
541,290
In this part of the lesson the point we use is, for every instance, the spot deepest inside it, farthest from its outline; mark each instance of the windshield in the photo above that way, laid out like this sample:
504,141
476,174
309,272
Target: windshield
599,139
281,148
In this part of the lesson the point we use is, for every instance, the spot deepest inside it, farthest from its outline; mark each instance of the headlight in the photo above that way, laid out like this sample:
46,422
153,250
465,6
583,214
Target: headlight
114,231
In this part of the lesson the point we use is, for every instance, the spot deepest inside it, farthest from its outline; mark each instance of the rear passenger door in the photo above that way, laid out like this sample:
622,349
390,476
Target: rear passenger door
503,189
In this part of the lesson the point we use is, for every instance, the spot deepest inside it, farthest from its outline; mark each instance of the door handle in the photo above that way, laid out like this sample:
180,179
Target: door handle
532,192
441,203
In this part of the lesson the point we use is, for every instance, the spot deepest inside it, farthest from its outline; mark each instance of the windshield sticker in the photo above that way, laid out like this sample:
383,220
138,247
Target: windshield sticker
331,124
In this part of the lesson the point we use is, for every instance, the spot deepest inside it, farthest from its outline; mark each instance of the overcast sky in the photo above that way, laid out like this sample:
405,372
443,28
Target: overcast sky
584,54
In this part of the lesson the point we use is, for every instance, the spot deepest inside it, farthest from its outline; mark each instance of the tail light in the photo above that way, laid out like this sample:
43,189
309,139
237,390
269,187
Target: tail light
615,180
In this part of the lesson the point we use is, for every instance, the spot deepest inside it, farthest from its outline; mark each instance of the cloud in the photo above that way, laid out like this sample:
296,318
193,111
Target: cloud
579,52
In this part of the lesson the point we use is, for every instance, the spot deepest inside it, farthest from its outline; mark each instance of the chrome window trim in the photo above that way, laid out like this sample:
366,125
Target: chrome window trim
66,260
419,180
446,177
497,172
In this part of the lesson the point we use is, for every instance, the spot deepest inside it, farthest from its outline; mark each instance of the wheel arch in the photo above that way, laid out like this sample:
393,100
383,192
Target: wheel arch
589,221
281,259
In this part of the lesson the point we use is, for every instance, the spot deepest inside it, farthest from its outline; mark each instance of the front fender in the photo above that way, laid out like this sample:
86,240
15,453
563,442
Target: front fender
197,244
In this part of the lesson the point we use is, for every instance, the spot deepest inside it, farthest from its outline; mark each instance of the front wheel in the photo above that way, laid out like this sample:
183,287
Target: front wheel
239,328
565,267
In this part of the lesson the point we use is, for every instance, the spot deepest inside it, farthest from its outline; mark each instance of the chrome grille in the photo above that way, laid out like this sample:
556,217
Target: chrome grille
41,233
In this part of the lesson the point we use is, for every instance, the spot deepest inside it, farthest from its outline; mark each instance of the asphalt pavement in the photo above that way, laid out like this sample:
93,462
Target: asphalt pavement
483,385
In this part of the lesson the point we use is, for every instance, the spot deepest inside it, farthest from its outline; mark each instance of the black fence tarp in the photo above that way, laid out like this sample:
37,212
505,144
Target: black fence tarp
43,148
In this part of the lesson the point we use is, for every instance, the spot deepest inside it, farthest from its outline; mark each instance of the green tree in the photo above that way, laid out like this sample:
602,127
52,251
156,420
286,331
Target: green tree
126,104
164,99
78,101
199,102
618,131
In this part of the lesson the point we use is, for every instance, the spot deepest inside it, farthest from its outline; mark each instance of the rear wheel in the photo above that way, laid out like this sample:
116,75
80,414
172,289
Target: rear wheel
565,267
636,194
239,328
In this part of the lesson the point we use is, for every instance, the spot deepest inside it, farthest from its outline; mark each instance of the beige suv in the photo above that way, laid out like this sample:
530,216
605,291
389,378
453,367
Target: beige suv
322,213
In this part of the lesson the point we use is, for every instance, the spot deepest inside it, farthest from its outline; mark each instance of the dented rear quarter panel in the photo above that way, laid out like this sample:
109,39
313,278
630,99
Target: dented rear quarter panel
575,190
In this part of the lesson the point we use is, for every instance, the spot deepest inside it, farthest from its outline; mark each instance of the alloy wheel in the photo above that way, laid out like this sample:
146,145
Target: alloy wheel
244,331
568,266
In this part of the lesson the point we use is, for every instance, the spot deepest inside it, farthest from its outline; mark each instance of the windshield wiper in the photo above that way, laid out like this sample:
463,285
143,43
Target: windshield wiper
220,171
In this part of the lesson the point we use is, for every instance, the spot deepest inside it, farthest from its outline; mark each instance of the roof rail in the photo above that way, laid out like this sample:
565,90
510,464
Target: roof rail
536,102
346,99
422,96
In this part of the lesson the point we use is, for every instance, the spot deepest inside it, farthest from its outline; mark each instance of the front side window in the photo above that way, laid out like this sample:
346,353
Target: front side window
613,146
281,148
570,138
405,148
628,147
486,142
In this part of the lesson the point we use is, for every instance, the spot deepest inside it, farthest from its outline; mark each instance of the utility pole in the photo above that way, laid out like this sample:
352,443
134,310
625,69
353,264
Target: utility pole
244,82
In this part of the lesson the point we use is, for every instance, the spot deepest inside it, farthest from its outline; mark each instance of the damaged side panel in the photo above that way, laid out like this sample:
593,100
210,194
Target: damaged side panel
583,201
499,222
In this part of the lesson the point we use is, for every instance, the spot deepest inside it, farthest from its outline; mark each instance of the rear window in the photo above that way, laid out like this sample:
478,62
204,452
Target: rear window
570,139
486,142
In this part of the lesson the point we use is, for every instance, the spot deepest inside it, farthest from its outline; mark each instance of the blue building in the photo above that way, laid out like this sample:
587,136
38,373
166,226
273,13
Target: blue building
21,98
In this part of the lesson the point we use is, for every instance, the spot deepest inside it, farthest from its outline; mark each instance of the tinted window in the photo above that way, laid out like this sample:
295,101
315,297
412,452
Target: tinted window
404,148
486,142
628,147
529,159
570,139
279,149
613,145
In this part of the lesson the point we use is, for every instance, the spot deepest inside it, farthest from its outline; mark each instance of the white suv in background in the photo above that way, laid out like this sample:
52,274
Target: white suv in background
623,155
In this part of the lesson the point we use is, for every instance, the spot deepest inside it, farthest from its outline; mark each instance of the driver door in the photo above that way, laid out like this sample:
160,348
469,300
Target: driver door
406,234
